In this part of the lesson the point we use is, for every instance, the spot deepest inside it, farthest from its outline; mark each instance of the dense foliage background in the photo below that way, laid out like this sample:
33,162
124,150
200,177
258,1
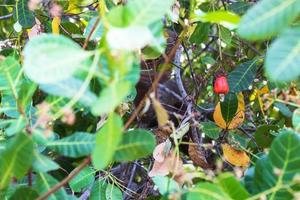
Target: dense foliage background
150,99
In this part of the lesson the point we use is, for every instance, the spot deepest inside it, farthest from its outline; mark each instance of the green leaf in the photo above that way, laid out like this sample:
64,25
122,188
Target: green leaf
110,97
76,145
139,12
225,18
107,140
282,59
9,70
267,18
200,33
229,106
69,88
263,135
113,193
206,191
165,185
241,78
44,183
239,7
232,187
82,180
24,193
134,145
42,163
23,15
16,159
51,58
211,130
283,109
280,166
99,190
296,119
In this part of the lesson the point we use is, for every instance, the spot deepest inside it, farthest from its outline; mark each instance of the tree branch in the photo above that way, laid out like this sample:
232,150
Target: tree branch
66,180
6,16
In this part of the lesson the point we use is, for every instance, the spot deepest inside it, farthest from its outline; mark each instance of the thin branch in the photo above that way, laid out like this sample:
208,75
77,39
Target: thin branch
155,83
6,16
91,33
66,180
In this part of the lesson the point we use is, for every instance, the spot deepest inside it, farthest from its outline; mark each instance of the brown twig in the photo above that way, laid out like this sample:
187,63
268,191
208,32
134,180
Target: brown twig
56,187
154,84
91,33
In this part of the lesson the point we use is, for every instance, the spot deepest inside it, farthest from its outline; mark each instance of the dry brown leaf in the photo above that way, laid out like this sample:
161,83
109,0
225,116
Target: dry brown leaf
235,157
167,164
198,156
162,133
158,153
236,120
161,113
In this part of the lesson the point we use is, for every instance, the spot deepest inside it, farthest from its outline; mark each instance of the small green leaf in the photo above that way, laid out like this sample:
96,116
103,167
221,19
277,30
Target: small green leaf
82,180
51,58
282,59
112,192
107,140
76,145
42,163
229,106
134,145
165,185
99,190
241,77
225,18
211,130
200,33
267,18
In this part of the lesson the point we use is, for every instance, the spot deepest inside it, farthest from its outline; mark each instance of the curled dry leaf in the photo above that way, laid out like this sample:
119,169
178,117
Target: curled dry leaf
161,113
197,155
35,30
237,119
235,157
165,164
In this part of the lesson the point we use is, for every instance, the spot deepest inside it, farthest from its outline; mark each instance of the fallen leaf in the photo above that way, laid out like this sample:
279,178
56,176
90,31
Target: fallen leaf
235,157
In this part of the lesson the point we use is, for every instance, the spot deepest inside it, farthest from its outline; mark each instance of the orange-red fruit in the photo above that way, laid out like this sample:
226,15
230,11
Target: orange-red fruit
221,85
